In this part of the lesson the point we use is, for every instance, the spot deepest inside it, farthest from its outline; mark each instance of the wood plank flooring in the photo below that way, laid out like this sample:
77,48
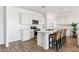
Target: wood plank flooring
31,46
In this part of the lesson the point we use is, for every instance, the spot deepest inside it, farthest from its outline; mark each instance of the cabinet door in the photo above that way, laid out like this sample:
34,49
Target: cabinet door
33,17
25,18
28,35
41,20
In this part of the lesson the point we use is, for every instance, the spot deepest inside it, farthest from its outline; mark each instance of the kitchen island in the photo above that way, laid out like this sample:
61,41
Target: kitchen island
43,38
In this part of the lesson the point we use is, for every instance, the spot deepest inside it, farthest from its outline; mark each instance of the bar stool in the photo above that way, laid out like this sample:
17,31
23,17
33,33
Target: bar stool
64,37
55,39
52,39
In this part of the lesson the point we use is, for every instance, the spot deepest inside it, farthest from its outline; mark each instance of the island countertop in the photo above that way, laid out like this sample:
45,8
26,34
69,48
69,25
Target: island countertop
48,30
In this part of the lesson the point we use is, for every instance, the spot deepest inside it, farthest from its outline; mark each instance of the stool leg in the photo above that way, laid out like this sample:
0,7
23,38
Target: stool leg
49,42
57,45
52,42
60,43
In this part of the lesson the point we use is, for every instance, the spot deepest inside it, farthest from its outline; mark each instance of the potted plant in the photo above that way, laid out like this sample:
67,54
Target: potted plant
74,29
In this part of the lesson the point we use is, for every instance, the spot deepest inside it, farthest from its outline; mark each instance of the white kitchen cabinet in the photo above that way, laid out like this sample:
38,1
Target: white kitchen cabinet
25,18
27,35
41,20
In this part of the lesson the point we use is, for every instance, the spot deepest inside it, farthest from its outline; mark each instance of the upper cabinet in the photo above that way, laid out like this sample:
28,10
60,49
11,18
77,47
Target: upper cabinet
27,19
42,20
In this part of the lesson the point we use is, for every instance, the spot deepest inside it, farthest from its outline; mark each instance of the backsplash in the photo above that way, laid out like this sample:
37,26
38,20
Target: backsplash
66,25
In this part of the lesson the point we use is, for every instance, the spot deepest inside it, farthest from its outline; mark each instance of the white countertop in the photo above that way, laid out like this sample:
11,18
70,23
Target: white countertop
27,30
47,31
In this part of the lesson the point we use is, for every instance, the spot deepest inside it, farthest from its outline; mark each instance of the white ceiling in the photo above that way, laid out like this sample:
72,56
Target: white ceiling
55,9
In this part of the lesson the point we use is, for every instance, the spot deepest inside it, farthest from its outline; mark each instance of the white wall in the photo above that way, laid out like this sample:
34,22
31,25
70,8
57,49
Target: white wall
13,22
51,20
2,24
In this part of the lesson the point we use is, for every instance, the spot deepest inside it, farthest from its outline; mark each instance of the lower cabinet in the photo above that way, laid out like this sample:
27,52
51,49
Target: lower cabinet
27,35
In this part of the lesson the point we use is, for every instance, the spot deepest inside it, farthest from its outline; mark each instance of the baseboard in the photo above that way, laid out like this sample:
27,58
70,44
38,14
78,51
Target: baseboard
1,43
